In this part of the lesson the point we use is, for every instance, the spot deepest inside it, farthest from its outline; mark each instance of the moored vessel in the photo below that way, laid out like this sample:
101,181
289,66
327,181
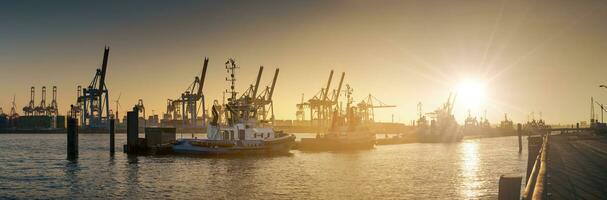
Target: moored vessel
346,130
241,125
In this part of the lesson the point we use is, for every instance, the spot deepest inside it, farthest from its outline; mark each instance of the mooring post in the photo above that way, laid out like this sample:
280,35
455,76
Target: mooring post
509,188
520,138
112,137
132,130
72,138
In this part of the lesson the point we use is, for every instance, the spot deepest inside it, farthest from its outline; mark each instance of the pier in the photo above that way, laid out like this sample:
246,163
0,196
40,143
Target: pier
568,166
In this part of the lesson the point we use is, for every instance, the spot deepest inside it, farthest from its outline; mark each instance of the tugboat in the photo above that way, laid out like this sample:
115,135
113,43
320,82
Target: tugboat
471,126
506,127
443,127
346,131
244,129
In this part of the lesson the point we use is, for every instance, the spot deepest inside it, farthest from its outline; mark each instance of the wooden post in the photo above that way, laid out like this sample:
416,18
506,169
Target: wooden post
112,137
509,188
132,130
520,140
72,138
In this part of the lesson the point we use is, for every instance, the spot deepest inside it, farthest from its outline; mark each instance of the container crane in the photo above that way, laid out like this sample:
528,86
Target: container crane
300,114
368,105
185,108
321,106
94,100
53,108
40,110
29,110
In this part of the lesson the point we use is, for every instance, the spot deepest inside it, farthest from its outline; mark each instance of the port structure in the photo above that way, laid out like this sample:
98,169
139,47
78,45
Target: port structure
13,114
253,104
300,114
367,108
186,107
443,113
42,109
322,105
30,108
93,101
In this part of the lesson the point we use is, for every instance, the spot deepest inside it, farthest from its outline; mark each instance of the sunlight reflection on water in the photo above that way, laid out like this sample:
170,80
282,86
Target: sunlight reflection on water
469,168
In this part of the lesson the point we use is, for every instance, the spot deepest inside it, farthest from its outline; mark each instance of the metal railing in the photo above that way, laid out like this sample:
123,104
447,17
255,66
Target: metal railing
534,188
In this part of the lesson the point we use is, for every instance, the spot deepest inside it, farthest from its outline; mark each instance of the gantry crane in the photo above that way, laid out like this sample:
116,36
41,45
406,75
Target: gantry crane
53,108
367,107
321,107
94,100
300,114
41,110
186,107
30,108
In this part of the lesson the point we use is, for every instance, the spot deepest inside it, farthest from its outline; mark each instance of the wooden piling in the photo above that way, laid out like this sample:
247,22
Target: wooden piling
520,138
72,138
132,130
112,137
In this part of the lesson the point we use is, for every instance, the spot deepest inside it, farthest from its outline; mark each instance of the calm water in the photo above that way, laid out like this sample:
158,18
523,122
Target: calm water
34,166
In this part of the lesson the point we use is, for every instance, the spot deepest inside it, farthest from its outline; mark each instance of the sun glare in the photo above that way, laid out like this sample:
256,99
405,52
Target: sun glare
471,93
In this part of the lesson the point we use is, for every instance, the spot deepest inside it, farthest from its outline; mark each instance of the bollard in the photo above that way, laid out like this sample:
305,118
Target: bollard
112,137
520,139
72,138
132,130
509,188
577,125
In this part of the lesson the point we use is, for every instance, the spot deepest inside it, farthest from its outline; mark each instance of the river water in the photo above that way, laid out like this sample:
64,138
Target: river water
34,166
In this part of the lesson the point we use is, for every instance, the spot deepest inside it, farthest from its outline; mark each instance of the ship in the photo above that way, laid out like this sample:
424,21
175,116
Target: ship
240,126
442,128
506,127
479,128
346,130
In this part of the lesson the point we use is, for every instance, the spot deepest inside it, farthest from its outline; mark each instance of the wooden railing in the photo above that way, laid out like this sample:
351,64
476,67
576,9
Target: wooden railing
534,188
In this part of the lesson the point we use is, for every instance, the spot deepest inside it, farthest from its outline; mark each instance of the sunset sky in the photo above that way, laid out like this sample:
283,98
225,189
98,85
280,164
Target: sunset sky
524,56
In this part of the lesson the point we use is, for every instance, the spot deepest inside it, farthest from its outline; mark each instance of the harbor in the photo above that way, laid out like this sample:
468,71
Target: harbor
303,100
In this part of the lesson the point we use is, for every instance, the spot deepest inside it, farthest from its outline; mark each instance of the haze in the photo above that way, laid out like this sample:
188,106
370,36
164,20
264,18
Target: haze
530,56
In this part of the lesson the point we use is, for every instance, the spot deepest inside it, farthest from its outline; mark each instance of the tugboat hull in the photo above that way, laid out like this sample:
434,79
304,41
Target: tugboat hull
280,145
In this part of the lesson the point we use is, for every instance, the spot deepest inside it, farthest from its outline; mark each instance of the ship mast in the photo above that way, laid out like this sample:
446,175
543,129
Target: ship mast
231,69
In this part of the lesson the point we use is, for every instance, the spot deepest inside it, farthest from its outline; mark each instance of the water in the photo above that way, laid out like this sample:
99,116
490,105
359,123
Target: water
34,166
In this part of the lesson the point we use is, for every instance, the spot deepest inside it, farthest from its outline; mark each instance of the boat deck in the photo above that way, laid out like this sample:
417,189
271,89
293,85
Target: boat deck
577,167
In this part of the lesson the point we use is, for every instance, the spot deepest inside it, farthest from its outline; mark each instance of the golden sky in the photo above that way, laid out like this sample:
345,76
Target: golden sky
529,56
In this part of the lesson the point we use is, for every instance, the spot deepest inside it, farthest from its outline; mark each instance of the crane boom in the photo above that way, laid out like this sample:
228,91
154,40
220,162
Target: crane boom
273,83
341,81
257,82
324,97
106,53
203,75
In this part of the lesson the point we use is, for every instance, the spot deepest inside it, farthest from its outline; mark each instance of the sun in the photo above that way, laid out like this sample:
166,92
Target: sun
471,94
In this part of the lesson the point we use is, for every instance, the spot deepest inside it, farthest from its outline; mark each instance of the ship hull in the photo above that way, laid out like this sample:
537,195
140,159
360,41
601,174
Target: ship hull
336,144
277,146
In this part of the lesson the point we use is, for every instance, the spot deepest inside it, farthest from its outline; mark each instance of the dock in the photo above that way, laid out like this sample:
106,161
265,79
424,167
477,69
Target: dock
574,166
577,167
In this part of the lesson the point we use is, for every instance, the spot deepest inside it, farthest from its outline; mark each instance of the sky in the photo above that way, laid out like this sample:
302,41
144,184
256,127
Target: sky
518,57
